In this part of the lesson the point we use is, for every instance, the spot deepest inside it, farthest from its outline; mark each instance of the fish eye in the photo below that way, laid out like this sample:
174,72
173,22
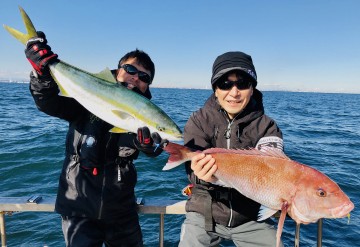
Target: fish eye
321,193
159,128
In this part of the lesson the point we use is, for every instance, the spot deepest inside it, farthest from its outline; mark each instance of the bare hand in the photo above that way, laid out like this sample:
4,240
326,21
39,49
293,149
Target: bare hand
204,167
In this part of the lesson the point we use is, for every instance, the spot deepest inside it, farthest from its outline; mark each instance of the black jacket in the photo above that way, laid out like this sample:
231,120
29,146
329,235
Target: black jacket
210,127
98,176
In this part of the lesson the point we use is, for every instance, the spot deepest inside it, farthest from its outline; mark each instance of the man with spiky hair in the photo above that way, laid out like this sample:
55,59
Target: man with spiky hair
96,197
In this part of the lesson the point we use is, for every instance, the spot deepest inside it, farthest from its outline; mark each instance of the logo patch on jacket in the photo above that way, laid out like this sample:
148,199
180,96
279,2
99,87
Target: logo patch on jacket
90,141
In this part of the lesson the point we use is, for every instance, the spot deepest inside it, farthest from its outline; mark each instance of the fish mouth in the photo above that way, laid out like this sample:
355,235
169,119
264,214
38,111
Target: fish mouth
338,212
343,210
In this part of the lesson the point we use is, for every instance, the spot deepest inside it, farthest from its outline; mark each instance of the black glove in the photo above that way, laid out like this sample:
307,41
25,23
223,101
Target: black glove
39,53
150,145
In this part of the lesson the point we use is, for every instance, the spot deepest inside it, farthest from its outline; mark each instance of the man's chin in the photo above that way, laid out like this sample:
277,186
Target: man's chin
136,90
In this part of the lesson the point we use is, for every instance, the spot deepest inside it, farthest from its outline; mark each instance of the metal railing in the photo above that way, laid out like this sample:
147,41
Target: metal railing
8,205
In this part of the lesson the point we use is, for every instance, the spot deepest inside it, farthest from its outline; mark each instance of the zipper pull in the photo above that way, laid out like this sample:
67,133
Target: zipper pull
119,174
227,133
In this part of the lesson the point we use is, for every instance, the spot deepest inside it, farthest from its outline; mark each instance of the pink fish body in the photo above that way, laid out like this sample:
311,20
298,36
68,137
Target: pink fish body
270,178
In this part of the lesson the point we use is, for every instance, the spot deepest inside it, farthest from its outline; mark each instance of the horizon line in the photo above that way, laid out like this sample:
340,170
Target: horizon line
197,88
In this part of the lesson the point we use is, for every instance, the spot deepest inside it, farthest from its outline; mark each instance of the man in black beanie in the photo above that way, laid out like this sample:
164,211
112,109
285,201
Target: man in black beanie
233,118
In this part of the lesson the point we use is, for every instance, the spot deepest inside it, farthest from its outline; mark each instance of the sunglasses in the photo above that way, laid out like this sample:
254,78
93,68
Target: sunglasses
240,84
132,70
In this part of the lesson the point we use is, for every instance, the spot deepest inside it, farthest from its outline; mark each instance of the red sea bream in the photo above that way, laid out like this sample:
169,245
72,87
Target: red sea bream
275,181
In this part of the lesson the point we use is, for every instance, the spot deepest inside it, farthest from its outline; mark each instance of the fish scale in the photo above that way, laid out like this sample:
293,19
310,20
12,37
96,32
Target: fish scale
253,175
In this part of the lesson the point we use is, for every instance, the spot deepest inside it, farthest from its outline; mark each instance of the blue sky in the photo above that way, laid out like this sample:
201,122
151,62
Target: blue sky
295,45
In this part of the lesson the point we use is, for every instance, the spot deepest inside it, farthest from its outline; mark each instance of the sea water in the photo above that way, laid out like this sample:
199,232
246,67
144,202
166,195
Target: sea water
320,130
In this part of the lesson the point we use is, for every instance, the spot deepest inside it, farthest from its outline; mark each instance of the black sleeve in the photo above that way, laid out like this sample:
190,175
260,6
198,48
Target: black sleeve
45,92
194,135
271,137
195,138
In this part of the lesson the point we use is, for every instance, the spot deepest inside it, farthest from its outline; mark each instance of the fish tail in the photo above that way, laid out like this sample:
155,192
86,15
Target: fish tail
23,37
178,155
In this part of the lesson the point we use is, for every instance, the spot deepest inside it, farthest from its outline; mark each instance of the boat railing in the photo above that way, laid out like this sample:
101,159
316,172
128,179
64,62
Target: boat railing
9,205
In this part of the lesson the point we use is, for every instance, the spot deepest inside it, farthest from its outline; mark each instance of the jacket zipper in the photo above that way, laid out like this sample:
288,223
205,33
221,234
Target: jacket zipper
231,213
101,197
104,179
227,135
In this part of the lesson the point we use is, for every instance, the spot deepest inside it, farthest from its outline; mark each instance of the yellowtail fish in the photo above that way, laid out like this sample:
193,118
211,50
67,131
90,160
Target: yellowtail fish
104,97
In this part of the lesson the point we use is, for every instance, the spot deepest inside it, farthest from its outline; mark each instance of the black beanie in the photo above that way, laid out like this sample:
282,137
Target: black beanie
234,60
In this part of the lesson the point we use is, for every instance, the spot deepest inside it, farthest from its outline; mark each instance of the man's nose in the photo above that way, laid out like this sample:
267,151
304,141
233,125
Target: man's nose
234,91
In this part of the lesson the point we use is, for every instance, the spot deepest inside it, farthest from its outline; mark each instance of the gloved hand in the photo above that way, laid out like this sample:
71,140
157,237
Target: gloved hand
152,145
39,53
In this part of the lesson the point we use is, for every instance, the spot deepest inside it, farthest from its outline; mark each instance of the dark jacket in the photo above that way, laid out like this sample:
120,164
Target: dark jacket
98,176
210,127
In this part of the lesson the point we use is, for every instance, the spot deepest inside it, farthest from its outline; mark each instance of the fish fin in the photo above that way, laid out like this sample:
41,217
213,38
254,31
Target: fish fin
118,130
221,183
265,151
265,213
280,227
106,75
63,92
23,37
274,152
171,165
123,115
178,155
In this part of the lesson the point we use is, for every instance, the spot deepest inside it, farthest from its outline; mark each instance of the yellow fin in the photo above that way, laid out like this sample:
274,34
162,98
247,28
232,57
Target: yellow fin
106,75
23,37
63,92
118,130
123,115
